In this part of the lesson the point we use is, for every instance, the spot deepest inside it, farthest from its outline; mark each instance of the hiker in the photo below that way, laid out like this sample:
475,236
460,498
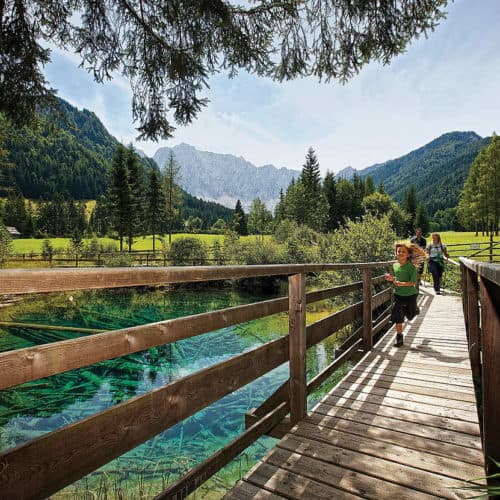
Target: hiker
419,240
405,291
436,252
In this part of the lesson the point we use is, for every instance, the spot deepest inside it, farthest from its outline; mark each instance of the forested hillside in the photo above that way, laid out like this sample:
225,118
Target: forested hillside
437,170
69,154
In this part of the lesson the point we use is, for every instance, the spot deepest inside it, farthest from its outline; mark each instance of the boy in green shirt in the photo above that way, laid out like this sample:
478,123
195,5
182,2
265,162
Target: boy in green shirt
405,291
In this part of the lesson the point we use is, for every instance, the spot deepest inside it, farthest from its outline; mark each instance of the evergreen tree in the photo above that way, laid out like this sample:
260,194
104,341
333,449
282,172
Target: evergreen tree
239,220
369,185
169,50
137,199
173,196
409,205
155,204
120,198
422,218
480,198
310,175
359,193
280,209
330,190
100,220
380,188
259,218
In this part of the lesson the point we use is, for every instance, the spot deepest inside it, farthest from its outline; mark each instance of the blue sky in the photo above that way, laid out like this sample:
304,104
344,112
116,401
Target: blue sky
450,81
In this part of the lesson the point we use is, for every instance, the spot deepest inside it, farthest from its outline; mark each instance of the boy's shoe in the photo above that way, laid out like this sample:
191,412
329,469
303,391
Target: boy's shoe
399,340
438,292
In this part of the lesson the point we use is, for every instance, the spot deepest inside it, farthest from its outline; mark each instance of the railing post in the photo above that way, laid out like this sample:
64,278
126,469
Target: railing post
472,324
367,310
490,322
463,282
297,346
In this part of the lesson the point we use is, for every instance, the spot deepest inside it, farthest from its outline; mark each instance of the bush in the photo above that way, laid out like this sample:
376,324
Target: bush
5,244
187,252
262,252
118,260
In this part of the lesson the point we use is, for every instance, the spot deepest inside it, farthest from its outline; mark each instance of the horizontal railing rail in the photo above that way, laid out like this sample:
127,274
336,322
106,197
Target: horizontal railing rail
481,305
44,465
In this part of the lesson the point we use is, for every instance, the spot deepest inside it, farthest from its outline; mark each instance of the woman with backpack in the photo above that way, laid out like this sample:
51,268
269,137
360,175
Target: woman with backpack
436,252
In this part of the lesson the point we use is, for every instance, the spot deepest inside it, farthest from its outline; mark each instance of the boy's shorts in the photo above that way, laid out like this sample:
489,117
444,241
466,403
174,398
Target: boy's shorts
404,306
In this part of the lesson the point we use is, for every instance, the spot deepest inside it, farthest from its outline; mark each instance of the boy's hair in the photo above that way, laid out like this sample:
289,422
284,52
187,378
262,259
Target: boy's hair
414,252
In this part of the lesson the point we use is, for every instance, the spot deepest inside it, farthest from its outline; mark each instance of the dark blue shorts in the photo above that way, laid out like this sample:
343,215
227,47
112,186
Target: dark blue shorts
404,307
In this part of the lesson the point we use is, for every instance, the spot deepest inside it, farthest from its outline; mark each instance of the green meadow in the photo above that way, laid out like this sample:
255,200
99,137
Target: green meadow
27,245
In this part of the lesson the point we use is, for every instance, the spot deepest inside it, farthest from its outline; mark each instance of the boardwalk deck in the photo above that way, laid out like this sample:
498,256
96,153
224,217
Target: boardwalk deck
403,423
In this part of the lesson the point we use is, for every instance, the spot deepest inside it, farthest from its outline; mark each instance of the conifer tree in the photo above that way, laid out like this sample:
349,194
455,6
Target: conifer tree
310,176
409,205
422,218
155,204
120,198
173,196
169,50
259,218
330,190
369,185
239,222
480,198
137,198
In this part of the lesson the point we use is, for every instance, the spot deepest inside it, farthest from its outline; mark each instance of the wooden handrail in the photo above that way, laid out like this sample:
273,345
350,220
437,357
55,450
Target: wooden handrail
44,465
20,281
481,283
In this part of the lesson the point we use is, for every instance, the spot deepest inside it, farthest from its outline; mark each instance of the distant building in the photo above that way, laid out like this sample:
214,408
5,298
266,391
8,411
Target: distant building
14,233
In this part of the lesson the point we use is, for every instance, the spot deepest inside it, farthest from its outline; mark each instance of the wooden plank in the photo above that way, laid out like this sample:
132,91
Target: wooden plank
411,381
367,310
247,491
279,396
415,389
55,328
399,437
416,430
356,483
18,281
381,297
451,413
344,388
297,346
392,475
199,474
335,291
414,369
293,486
32,363
429,364
74,451
490,322
320,330
487,270
393,452
406,415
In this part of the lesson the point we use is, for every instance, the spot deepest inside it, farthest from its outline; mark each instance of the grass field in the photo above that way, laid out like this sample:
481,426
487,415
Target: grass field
27,245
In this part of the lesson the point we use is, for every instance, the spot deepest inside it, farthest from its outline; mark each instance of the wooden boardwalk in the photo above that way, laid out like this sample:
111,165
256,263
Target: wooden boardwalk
402,424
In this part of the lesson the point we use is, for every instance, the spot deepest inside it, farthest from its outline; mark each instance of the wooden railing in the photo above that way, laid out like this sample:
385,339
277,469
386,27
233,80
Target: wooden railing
47,464
481,305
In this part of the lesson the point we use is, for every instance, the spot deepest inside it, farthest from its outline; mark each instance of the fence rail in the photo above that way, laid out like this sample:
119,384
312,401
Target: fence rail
44,465
481,305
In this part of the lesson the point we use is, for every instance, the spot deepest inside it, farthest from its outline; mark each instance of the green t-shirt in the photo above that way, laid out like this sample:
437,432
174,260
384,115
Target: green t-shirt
408,272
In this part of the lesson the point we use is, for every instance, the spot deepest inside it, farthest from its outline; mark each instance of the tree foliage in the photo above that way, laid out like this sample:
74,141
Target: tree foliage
168,50
480,198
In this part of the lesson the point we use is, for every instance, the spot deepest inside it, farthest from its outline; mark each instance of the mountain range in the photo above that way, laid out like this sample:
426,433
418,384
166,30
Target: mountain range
437,170
225,178
70,153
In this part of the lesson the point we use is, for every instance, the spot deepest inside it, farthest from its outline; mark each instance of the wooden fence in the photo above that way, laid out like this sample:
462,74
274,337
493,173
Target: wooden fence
47,464
481,305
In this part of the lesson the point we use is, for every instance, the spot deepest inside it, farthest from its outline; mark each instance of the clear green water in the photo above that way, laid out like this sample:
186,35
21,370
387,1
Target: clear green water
38,407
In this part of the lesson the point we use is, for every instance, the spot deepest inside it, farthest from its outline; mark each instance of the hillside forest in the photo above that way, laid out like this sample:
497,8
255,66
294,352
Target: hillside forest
48,173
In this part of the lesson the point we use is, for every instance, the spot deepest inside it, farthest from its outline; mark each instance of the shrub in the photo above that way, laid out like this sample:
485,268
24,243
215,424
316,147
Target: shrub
187,252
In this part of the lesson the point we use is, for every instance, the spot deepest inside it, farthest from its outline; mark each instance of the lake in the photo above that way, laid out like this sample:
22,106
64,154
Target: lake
35,408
